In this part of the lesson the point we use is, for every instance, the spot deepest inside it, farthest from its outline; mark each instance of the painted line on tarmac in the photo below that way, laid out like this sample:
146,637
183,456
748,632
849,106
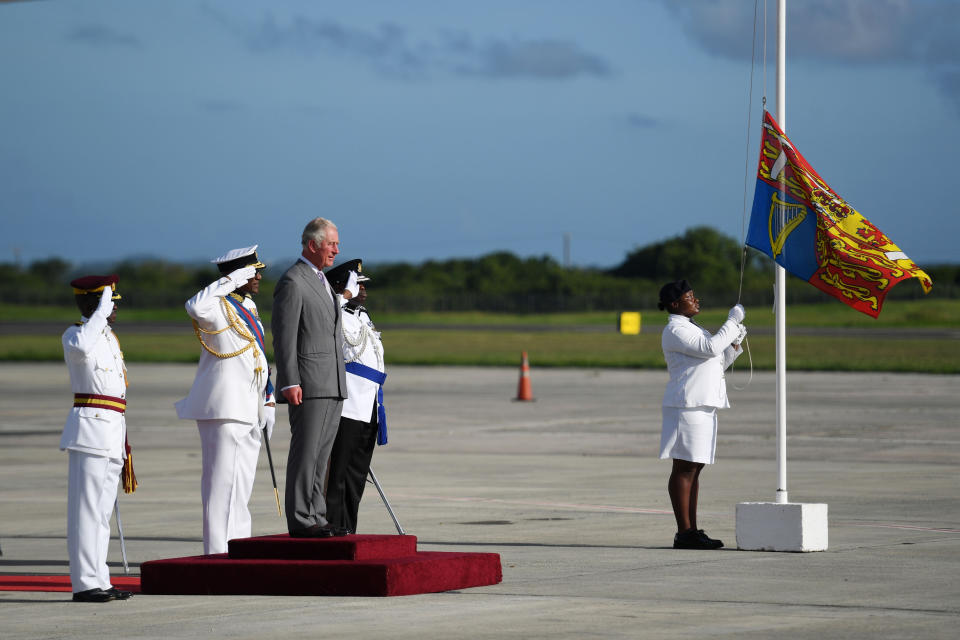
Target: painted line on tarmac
880,525
538,503
618,509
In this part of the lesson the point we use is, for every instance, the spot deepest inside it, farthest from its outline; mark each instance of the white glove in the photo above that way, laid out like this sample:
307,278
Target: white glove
743,334
242,275
352,286
737,314
105,308
269,418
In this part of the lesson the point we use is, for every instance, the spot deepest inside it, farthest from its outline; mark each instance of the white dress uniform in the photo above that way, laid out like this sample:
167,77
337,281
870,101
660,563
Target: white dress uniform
362,419
94,436
361,343
696,361
227,401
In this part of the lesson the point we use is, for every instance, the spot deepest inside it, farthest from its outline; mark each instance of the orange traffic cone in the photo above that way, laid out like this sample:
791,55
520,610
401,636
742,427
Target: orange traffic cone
524,392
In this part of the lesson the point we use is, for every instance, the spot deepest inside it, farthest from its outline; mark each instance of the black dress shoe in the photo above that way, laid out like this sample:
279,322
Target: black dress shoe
313,531
692,539
119,595
93,595
341,531
712,542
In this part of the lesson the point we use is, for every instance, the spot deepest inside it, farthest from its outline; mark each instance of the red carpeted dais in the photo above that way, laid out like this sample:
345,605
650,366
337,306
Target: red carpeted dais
356,565
59,583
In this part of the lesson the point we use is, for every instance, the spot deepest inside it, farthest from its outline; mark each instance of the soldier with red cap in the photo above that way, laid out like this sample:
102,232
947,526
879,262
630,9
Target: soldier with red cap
94,437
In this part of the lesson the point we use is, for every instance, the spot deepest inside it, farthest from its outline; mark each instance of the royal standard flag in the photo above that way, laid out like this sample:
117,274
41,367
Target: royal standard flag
800,222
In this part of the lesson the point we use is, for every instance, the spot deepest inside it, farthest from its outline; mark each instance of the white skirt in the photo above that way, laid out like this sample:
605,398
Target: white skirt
689,433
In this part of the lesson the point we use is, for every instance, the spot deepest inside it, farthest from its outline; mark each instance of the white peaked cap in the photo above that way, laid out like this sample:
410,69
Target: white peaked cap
234,254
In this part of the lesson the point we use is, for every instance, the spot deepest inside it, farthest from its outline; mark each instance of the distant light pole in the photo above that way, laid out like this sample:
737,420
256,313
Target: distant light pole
566,250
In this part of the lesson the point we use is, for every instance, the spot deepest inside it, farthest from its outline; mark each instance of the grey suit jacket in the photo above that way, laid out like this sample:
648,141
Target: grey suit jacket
307,336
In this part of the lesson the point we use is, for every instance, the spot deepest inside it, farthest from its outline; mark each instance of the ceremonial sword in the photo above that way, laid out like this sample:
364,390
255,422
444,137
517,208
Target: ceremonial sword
386,502
276,494
123,546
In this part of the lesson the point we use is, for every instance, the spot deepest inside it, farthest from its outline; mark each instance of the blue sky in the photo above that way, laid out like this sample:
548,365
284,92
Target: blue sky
448,128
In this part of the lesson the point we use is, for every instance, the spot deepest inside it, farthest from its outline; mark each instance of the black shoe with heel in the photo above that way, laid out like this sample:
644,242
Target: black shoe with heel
695,539
712,542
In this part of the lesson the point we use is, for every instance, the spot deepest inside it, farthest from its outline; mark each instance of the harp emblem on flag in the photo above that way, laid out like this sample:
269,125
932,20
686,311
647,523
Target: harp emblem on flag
784,218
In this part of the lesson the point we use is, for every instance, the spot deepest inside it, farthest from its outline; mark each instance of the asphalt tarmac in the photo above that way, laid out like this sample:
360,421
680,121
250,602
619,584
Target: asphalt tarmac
567,489
55,327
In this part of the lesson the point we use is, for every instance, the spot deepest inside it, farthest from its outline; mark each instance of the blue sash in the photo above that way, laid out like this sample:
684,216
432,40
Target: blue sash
378,377
254,325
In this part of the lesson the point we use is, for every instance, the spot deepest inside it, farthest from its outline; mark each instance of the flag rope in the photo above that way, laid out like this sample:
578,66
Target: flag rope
746,161
746,166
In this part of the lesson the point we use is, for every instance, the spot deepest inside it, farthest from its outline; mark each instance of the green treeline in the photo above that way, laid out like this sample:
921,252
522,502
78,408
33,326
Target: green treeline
500,281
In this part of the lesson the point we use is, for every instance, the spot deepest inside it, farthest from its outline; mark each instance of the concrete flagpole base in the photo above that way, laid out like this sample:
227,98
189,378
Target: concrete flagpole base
774,526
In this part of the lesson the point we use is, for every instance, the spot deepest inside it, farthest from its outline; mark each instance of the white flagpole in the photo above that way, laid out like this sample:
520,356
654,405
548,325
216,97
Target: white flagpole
782,525
780,283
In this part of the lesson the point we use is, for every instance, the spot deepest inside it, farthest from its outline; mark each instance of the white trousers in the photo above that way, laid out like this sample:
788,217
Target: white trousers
91,491
230,451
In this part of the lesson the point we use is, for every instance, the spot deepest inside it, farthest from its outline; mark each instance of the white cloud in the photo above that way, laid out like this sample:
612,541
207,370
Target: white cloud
922,33
392,51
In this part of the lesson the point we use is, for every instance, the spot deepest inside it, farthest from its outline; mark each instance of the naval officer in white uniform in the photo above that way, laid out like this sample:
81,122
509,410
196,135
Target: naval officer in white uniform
94,436
696,361
363,419
231,398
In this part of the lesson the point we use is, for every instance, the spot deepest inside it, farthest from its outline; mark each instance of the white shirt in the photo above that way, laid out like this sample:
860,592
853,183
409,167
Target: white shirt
320,274
96,366
361,343
225,388
696,361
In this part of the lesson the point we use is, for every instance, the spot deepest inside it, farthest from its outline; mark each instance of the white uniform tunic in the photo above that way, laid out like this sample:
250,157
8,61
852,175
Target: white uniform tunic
226,400
94,438
360,421
696,361
361,343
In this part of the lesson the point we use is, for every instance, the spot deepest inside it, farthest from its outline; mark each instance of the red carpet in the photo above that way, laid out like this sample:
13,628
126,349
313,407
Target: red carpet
358,547
359,565
60,583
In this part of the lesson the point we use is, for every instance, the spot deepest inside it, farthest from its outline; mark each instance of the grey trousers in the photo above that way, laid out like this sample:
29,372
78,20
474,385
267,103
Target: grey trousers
313,428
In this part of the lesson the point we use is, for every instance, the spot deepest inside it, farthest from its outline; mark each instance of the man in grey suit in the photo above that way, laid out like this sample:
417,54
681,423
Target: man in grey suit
307,339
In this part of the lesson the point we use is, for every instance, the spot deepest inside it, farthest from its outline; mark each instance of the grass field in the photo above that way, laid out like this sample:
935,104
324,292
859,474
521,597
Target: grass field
475,339
925,313
930,313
